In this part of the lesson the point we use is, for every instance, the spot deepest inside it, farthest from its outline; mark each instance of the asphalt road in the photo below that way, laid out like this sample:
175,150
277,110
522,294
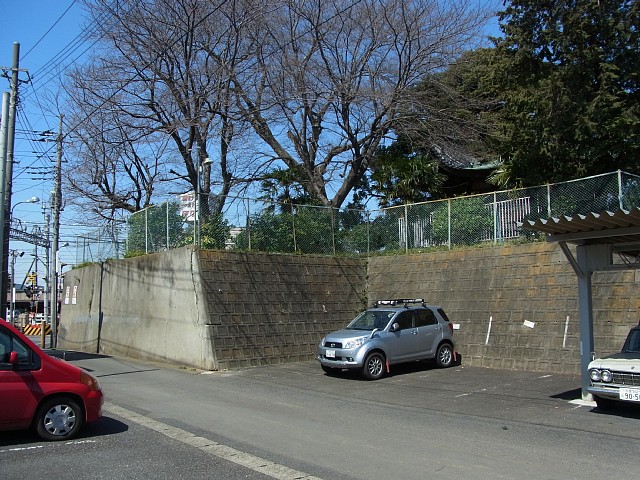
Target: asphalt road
294,422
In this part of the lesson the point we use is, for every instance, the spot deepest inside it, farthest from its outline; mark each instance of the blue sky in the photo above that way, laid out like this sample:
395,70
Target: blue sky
44,29
50,33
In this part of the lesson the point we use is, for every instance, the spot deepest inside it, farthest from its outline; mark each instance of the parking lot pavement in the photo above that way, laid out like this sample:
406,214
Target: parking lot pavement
508,396
418,422
540,398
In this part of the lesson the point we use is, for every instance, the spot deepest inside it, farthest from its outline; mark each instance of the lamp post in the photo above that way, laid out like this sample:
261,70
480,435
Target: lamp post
14,254
55,291
196,196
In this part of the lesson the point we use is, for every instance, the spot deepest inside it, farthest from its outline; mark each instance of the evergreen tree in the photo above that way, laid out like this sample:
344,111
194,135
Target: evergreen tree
568,70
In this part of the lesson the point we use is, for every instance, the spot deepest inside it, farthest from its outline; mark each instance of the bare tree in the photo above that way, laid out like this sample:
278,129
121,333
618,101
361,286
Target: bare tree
159,84
112,166
326,81
318,84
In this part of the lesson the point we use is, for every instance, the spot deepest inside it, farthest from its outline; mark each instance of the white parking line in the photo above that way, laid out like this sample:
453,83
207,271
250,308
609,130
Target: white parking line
21,449
51,445
582,403
230,454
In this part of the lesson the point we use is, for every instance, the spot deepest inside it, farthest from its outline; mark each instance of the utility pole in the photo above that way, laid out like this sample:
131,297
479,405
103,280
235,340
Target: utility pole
47,274
7,185
3,162
56,205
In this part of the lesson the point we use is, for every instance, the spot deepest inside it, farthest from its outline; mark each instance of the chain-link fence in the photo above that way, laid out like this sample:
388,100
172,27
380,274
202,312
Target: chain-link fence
255,225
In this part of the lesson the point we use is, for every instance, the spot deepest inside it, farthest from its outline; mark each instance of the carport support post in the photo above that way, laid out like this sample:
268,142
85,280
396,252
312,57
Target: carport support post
585,308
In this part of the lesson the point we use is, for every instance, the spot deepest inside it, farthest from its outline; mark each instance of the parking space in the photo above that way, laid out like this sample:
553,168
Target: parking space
420,421
504,395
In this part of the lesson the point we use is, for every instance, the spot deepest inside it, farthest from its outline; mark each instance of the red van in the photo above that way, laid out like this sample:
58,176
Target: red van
41,392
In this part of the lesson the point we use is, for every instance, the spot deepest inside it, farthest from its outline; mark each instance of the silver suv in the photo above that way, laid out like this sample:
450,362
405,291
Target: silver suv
392,332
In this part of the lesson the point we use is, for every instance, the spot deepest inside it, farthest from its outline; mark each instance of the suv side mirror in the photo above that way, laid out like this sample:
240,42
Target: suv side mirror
395,327
14,359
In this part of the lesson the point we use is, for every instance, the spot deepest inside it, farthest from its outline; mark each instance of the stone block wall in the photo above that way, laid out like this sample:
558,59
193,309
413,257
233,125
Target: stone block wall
268,309
516,306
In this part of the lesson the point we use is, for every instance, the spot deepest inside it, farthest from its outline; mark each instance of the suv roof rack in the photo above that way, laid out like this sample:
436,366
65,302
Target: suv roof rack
404,301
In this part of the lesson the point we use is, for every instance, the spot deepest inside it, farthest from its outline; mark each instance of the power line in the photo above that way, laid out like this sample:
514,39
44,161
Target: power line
50,28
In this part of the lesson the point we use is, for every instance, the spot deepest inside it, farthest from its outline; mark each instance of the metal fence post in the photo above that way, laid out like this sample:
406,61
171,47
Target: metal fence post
495,219
620,200
332,212
406,228
167,225
449,222
146,230
293,226
248,226
368,232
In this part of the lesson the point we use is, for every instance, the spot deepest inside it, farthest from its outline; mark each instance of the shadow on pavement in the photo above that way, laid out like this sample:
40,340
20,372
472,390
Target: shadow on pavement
71,355
399,369
27,438
620,409
574,394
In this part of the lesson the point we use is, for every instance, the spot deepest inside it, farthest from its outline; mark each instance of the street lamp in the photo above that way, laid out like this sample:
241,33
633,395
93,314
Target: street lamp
33,199
196,199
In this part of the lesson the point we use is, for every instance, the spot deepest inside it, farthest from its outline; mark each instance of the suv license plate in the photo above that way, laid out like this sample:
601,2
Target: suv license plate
331,354
630,394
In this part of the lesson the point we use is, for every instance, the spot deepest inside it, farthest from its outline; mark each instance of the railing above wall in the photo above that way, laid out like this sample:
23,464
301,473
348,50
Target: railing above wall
256,225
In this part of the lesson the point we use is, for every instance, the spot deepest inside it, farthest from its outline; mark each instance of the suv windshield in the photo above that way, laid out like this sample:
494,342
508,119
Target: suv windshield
370,319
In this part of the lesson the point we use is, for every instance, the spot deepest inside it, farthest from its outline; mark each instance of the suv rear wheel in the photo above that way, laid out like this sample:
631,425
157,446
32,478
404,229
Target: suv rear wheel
444,357
374,366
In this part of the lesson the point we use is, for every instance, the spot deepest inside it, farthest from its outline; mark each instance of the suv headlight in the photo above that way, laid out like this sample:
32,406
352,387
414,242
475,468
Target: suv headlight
355,343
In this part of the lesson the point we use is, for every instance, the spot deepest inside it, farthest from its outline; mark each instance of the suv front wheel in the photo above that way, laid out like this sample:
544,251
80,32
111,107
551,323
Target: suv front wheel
374,366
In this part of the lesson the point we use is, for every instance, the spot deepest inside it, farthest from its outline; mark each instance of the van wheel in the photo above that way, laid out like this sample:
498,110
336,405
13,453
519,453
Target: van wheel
374,366
444,357
58,418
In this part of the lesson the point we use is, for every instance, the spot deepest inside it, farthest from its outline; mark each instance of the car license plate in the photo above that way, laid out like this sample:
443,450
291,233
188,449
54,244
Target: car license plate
630,394
331,354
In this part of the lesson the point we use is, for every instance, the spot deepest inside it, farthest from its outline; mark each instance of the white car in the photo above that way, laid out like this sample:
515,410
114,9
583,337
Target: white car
616,378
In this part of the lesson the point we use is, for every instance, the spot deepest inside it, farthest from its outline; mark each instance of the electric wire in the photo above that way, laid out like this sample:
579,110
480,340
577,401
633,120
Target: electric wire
50,28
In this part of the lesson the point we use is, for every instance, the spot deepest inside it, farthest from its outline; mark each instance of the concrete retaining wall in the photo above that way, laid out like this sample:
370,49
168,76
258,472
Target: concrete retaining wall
210,310
219,310
147,307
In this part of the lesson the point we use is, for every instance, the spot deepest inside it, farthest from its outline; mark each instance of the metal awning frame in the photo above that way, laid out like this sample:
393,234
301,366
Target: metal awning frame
598,238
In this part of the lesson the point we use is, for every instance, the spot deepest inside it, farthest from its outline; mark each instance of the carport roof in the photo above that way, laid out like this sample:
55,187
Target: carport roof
620,232
620,228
